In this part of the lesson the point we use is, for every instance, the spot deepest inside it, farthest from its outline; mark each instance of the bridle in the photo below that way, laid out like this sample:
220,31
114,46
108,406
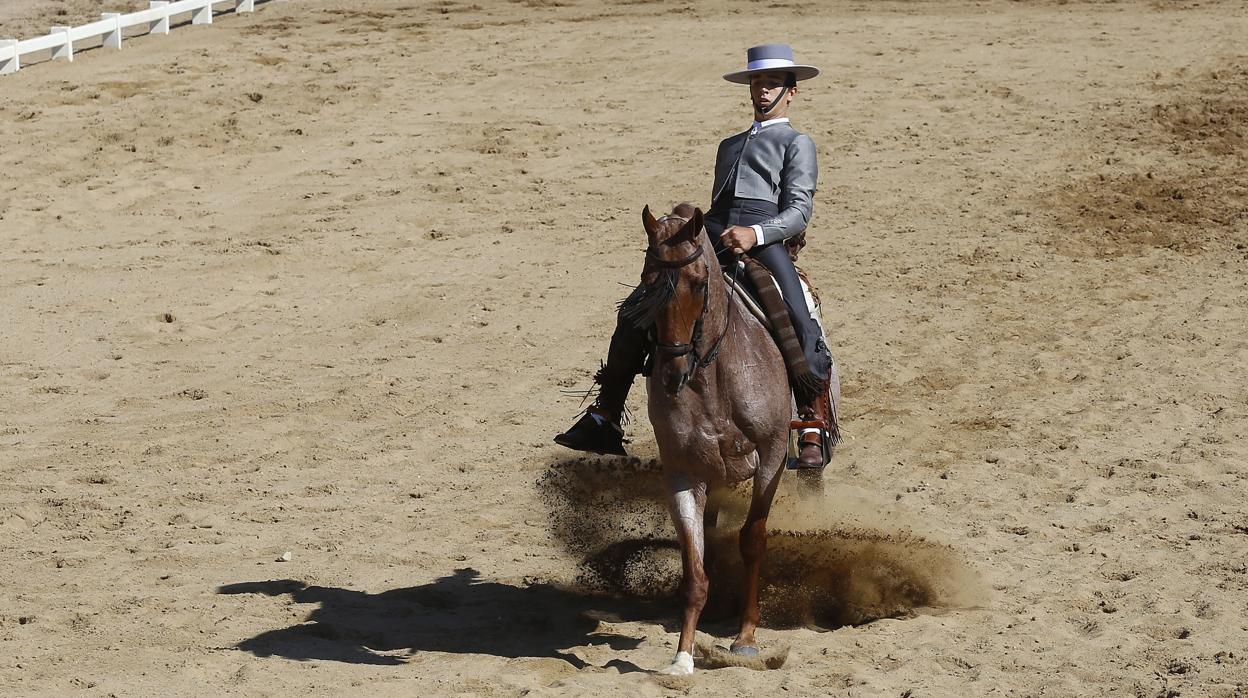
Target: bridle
677,349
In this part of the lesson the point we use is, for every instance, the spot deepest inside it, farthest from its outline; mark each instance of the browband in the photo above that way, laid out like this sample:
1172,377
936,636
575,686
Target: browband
673,264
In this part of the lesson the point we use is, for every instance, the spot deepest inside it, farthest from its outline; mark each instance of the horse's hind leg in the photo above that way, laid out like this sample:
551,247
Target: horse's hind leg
687,503
710,516
718,604
753,547
710,519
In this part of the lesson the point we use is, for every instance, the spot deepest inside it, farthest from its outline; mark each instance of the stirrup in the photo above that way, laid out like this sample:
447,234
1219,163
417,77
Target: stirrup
796,427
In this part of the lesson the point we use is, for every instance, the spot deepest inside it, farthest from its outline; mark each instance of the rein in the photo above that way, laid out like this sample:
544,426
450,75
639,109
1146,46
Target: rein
677,349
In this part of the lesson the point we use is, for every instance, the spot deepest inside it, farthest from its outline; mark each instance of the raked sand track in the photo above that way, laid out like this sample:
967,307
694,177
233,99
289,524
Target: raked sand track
313,279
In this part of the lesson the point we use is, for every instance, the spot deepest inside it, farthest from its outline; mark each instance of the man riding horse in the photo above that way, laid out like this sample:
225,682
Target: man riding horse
762,196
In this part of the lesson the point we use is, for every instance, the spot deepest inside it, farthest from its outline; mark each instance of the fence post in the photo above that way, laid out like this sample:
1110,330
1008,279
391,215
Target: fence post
202,15
13,63
113,38
160,26
66,50
244,6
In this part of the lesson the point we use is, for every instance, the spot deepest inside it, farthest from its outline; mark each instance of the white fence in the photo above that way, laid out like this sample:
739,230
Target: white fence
156,18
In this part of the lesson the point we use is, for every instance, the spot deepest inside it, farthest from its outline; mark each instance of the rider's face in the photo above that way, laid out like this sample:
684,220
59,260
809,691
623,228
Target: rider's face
764,88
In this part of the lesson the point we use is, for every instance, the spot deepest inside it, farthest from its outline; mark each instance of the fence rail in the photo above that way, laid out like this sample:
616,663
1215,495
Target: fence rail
60,40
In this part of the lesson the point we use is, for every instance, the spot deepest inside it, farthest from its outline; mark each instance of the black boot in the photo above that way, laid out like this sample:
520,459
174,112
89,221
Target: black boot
595,434
625,359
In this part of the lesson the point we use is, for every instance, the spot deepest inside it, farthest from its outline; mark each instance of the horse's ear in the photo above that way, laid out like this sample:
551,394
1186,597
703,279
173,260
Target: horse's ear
691,229
652,226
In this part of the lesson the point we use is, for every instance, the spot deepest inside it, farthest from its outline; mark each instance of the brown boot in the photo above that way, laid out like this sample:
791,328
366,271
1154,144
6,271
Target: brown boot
818,414
810,451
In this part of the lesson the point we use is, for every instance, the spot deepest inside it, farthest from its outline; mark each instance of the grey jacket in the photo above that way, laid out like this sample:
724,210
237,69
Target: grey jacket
777,164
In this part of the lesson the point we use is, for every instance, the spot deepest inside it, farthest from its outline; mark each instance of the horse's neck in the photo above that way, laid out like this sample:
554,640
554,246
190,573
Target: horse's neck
720,312
717,290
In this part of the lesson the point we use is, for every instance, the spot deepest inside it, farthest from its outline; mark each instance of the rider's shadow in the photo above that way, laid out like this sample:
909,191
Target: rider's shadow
458,613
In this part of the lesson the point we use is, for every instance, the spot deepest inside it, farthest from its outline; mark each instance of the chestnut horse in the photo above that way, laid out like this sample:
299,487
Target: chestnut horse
719,402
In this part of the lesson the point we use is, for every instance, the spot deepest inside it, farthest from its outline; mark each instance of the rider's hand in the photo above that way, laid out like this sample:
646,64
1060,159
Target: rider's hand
738,238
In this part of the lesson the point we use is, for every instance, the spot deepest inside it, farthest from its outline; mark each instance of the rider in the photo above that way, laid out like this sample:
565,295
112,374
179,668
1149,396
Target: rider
762,195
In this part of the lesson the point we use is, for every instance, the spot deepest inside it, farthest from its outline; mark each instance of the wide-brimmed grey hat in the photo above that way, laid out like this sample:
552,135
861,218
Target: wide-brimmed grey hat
770,58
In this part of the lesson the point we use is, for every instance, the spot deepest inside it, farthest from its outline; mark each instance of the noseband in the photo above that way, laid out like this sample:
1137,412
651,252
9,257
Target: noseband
678,349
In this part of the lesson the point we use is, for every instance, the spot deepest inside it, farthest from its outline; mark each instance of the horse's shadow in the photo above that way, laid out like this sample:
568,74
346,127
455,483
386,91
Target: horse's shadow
459,613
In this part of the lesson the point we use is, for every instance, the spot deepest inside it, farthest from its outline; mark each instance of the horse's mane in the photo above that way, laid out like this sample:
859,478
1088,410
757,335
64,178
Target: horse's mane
643,308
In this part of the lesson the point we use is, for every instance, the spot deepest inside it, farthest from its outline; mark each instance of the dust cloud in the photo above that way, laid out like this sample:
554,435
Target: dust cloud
833,559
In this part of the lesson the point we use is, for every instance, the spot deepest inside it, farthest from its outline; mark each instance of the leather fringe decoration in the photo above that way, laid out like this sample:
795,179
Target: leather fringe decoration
806,385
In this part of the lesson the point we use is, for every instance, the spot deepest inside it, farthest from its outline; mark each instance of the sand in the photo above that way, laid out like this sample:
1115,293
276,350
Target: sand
313,280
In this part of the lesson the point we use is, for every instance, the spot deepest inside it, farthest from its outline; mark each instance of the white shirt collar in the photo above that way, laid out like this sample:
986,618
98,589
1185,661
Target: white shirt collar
759,125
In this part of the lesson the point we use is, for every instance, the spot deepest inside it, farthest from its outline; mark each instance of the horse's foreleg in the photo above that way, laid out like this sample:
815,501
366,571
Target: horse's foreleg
753,547
687,502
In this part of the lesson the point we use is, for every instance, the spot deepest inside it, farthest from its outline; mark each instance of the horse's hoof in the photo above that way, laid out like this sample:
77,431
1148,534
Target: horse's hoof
745,651
682,665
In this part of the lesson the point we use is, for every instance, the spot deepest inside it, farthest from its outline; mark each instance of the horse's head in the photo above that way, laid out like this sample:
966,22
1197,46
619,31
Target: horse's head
675,281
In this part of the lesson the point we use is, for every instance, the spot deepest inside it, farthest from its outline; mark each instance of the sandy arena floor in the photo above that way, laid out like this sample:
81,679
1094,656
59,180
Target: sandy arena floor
314,280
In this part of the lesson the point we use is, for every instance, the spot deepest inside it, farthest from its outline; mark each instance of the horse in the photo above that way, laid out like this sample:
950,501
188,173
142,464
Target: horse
720,405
